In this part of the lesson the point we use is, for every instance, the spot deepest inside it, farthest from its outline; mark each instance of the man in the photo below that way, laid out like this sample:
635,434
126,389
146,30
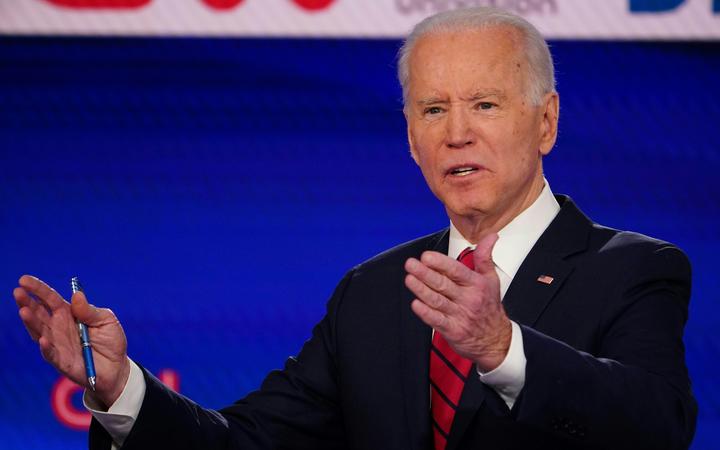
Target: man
553,333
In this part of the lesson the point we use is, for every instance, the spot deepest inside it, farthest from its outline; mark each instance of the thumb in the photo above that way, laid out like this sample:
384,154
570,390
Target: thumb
83,311
482,256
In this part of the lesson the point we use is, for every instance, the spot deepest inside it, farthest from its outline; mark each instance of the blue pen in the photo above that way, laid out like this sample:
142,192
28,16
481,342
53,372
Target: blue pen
85,340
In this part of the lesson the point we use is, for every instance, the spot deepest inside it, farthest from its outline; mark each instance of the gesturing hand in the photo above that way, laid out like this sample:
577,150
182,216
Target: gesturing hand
462,304
50,321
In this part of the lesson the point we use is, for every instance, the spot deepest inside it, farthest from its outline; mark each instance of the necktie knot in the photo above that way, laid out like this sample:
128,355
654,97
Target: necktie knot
466,257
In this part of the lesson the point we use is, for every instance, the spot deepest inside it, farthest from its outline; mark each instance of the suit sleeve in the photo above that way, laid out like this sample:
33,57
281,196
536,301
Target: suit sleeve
295,407
635,391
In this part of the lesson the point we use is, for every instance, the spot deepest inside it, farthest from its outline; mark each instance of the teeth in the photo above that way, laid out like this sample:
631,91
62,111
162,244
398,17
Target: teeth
463,171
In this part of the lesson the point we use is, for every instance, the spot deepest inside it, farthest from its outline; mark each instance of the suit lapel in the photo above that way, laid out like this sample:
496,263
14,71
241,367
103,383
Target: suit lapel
415,360
527,297
546,267
473,396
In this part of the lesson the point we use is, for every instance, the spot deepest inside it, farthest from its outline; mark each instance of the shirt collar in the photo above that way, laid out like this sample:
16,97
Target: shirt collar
517,238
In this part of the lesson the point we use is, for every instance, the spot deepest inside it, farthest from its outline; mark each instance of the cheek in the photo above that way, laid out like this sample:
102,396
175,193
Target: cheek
513,154
523,142
425,144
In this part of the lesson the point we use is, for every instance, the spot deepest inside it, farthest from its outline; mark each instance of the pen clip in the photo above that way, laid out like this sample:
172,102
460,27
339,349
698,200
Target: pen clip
75,285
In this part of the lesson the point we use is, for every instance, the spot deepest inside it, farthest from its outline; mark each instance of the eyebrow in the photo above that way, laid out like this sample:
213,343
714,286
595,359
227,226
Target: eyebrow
477,95
431,101
484,93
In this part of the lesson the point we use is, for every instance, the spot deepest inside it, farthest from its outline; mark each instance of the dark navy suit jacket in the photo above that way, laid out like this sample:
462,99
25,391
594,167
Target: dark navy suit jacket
603,341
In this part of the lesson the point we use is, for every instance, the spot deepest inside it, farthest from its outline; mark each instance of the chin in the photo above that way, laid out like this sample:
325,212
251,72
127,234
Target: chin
464,210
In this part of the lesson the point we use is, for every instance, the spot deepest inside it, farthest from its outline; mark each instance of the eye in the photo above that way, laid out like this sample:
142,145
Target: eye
485,105
432,110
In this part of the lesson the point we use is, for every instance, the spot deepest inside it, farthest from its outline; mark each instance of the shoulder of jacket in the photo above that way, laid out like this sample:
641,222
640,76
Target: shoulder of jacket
397,255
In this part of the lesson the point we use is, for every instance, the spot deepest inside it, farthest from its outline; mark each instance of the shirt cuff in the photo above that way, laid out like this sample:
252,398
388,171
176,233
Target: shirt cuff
508,379
119,419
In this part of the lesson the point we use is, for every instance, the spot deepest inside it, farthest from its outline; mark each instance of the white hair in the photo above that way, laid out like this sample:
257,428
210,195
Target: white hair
541,73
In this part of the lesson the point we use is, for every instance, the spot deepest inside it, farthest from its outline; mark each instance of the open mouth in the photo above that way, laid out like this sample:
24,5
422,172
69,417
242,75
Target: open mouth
463,171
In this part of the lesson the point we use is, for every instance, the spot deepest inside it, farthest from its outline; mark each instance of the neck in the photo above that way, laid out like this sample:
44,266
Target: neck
475,226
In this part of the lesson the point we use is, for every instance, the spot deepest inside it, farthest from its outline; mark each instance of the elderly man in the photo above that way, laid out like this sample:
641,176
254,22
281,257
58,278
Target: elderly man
523,325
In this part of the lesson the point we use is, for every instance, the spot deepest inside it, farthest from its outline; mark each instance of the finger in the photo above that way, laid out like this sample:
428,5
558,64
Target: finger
482,256
431,317
433,279
447,266
44,293
428,296
33,324
33,315
87,313
23,299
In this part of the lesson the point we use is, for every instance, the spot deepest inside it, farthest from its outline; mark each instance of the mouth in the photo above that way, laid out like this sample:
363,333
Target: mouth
463,171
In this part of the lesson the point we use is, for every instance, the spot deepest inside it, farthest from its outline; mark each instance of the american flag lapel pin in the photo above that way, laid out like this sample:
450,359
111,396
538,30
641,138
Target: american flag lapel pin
545,279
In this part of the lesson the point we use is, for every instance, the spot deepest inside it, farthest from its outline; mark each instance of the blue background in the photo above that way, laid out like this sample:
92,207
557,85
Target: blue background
213,191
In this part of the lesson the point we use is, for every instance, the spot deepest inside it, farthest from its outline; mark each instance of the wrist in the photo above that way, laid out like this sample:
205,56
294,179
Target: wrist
115,388
496,353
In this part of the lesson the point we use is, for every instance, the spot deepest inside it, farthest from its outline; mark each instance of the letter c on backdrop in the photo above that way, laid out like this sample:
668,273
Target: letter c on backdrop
69,415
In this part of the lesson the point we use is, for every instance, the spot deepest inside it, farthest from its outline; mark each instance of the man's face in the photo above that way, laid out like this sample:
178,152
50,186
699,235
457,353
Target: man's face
472,130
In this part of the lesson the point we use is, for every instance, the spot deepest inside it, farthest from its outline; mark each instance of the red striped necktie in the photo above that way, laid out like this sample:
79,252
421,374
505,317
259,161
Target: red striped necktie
448,373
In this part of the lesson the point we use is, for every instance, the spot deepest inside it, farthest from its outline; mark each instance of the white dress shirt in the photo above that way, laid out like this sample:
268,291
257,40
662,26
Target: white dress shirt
514,242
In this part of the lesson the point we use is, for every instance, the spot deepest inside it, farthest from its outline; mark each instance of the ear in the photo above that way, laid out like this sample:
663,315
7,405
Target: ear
411,141
549,122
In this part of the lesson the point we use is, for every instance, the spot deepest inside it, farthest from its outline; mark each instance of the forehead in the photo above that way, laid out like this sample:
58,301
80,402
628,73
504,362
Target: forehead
488,58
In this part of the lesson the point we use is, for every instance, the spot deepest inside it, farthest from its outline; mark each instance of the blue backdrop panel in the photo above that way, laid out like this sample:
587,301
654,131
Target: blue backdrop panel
213,191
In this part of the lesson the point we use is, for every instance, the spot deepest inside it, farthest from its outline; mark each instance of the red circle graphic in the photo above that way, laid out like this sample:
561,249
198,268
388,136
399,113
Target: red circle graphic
313,5
222,4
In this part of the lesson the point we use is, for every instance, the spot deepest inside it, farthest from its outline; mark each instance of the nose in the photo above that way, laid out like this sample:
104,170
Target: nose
459,132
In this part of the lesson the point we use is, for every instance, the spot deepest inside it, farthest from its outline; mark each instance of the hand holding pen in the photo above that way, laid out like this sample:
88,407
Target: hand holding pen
52,322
